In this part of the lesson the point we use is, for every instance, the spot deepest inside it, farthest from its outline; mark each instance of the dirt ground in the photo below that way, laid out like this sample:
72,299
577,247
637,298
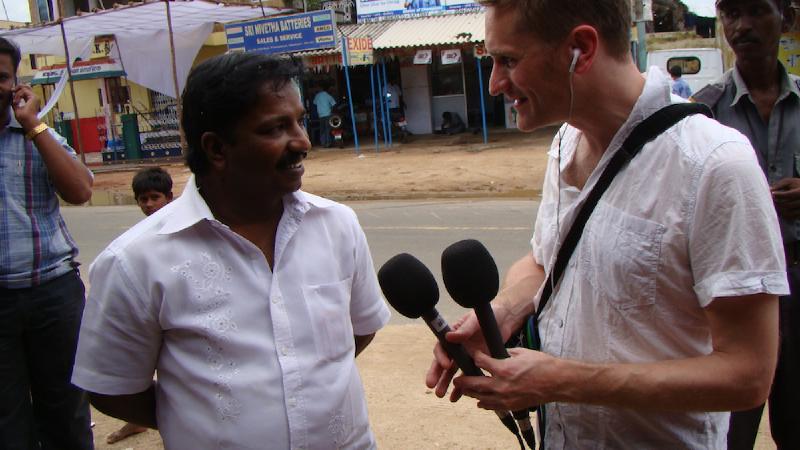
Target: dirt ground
510,164
404,414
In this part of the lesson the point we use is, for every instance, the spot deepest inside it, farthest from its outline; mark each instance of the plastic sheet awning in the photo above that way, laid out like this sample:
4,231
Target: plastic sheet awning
142,35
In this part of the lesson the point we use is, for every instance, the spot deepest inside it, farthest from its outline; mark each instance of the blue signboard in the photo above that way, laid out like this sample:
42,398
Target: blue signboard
285,34
369,10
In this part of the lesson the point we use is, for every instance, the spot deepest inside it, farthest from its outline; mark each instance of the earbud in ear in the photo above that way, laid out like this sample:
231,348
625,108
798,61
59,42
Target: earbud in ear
576,52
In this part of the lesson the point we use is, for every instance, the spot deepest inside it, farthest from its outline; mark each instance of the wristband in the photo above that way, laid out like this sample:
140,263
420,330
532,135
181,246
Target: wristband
37,130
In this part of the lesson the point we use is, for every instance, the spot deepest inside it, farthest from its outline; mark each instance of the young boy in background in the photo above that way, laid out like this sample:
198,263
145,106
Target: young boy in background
152,188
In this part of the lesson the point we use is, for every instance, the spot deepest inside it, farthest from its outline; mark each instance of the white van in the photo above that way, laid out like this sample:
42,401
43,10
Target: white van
701,66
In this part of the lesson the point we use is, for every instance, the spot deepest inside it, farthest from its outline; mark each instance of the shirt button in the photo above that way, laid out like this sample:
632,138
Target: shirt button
561,323
276,299
284,351
773,169
292,401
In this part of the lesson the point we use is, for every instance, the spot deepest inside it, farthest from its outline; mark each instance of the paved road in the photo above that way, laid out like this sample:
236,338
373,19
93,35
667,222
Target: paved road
421,228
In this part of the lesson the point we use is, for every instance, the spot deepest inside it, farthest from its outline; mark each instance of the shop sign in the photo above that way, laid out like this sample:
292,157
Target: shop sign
480,51
451,56
372,10
103,47
789,52
359,51
85,71
294,33
343,9
423,57
320,61
47,76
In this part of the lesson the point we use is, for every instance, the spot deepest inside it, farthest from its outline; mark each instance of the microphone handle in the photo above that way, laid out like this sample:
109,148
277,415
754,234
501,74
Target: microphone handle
491,332
494,340
440,328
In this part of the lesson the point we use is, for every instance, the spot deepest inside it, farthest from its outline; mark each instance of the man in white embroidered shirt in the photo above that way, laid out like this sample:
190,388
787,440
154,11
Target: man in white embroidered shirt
666,314
249,297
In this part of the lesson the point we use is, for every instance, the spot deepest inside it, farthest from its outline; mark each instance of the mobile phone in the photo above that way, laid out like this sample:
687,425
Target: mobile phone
21,102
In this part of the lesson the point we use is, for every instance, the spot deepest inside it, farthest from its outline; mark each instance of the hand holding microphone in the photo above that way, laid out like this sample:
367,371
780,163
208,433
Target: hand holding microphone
411,289
471,277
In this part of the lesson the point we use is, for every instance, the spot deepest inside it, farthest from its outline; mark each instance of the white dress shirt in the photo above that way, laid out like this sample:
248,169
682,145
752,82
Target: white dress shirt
247,357
689,219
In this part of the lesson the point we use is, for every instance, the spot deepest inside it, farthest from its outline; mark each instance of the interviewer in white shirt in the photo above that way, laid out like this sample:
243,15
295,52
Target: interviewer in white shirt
250,297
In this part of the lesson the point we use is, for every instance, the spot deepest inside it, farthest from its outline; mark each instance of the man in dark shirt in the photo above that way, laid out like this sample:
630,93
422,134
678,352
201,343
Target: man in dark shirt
760,99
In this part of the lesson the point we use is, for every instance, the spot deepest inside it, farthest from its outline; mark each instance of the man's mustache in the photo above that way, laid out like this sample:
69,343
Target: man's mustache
746,39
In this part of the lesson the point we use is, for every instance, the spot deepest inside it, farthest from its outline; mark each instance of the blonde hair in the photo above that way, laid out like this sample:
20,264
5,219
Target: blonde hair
552,20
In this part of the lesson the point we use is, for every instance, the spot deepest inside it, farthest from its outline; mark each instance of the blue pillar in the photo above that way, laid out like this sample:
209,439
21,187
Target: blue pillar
386,103
349,94
374,111
380,104
483,107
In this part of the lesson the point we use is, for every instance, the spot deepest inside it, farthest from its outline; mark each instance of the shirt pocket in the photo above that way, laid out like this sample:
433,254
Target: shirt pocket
620,256
329,308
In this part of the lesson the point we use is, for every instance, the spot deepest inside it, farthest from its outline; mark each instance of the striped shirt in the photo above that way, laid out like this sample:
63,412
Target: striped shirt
35,246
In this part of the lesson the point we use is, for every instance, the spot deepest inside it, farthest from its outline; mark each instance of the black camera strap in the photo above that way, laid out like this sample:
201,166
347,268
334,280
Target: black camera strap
647,130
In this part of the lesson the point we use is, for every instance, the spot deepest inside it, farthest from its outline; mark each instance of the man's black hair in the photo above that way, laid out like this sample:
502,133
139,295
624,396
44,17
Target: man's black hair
676,71
222,90
783,5
151,179
9,48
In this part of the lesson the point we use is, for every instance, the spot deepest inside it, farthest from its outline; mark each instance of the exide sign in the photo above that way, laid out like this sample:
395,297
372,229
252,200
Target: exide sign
359,44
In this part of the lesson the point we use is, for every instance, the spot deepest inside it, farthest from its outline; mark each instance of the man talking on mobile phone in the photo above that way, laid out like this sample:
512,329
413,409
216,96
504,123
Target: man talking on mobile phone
41,293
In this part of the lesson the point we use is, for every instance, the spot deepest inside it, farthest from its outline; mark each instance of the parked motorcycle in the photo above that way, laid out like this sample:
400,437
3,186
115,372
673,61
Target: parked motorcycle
399,125
336,123
339,123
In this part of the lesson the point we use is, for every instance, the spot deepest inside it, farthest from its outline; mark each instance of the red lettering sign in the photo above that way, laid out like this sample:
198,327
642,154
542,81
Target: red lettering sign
359,43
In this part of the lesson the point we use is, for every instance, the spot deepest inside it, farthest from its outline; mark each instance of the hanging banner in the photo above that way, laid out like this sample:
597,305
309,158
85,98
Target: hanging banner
294,33
423,57
451,56
647,10
373,10
359,51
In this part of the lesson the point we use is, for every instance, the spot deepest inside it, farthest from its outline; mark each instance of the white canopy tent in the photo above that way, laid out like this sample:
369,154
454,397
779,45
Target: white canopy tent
152,37
142,31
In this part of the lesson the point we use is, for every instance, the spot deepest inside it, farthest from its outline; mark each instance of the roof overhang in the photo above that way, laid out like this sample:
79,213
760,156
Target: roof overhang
449,29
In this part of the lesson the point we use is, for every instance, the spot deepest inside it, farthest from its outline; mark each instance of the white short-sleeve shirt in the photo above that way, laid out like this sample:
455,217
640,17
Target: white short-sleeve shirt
247,357
690,219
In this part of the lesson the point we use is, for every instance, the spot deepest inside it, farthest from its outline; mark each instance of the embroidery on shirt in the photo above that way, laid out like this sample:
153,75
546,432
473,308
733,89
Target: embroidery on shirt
210,297
336,428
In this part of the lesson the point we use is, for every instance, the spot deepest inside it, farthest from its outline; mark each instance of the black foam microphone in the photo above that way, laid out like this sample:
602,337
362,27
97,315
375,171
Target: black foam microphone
471,278
412,290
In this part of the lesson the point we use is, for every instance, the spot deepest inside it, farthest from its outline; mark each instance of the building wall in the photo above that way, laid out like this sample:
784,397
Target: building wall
208,51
